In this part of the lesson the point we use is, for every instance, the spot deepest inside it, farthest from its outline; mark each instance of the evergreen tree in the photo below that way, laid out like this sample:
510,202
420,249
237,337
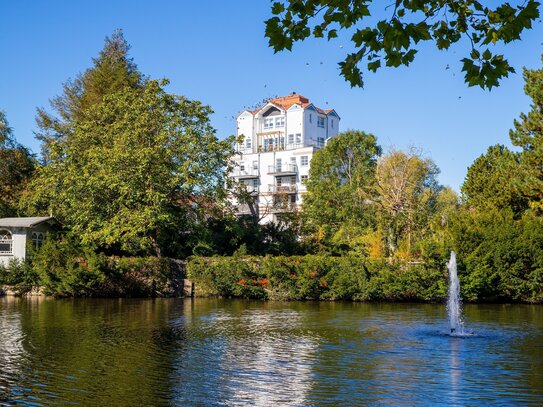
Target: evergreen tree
528,134
112,71
491,181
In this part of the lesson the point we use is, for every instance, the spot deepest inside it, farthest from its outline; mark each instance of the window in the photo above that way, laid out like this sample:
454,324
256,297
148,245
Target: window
248,143
320,141
332,122
6,242
293,199
280,121
255,183
268,123
37,239
304,178
242,166
304,160
255,165
298,138
310,118
293,179
291,138
278,165
279,181
320,122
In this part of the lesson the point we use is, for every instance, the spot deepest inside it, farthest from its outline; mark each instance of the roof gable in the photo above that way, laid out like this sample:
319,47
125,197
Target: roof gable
25,222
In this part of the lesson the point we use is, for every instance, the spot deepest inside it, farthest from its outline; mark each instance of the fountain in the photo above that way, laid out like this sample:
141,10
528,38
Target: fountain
453,303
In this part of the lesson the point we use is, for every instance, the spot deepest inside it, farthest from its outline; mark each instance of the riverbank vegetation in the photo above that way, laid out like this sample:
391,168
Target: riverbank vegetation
137,175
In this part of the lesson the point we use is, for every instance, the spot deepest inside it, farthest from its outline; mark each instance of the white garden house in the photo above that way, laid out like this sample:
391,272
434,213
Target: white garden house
279,141
16,233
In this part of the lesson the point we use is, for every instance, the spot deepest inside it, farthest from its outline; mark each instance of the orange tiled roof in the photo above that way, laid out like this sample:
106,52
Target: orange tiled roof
286,102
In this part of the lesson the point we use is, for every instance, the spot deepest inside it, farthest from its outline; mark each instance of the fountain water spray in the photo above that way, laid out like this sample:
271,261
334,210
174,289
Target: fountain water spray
454,301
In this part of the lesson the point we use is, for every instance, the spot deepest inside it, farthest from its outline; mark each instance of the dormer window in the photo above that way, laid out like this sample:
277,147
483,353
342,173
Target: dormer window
320,122
6,242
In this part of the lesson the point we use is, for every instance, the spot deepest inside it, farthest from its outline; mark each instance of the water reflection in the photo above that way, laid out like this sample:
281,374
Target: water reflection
213,352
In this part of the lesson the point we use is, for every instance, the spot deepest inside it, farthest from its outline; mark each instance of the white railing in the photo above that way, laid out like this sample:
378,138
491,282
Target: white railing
283,168
250,172
274,189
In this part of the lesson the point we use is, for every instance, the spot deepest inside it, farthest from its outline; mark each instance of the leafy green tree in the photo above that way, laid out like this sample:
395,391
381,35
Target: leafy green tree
528,134
112,71
491,181
341,179
406,188
135,170
16,168
391,38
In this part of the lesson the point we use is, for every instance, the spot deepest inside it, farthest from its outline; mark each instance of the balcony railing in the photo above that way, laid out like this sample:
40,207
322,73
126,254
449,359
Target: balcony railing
284,207
244,209
247,173
277,189
284,169
283,147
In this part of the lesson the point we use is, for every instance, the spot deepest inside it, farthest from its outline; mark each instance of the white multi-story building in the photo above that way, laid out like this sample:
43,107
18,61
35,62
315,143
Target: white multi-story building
279,140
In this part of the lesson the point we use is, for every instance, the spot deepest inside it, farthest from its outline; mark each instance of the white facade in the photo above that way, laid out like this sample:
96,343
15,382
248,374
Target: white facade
16,233
279,141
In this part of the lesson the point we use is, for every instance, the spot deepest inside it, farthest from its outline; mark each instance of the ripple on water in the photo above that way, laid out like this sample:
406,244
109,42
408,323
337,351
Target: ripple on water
209,352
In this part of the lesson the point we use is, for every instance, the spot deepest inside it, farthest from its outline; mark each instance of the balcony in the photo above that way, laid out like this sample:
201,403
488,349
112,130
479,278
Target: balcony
285,169
279,189
284,207
283,147
246,174
252,190
244,209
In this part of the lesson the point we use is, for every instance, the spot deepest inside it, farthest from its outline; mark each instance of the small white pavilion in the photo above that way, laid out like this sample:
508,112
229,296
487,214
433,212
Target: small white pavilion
16,233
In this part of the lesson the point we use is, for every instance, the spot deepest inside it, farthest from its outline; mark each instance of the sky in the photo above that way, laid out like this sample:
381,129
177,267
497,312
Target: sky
215,51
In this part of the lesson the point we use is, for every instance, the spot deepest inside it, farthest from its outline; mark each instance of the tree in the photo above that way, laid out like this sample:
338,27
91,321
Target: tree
392,41
134,170
407,189
528,134
491,181
112,71
16,168
340,182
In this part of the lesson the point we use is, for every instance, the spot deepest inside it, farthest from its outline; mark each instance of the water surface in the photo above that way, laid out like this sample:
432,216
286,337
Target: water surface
226,352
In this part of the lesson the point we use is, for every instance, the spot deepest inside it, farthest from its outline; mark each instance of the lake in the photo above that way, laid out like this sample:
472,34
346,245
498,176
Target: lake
206,352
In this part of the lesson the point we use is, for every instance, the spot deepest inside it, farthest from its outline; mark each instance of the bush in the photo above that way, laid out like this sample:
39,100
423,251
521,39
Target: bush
19,275
316,277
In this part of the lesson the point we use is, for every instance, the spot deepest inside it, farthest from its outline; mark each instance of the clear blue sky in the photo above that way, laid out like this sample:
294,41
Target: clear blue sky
215,51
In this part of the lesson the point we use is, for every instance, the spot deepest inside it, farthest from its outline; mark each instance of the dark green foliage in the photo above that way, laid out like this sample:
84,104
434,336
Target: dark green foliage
16,167
500,257
112,72
227,277
391,39
64,267
19,275
313,277
528,134
492,181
